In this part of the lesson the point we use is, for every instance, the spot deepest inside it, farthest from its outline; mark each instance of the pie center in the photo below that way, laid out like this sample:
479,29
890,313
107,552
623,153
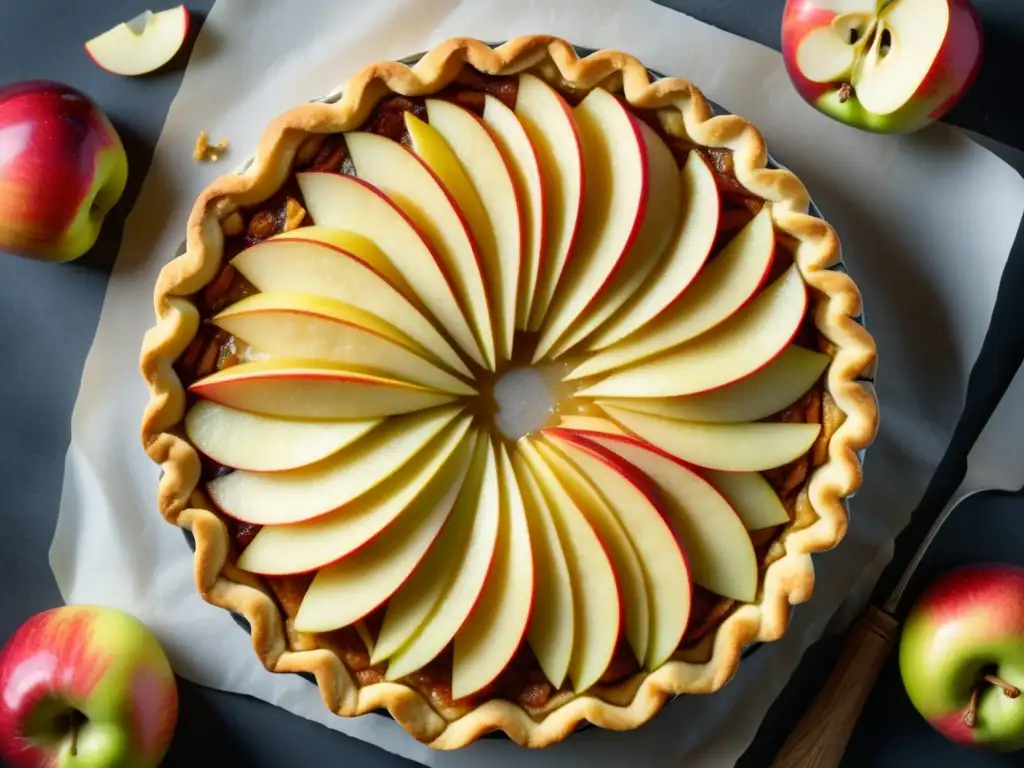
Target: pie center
526,397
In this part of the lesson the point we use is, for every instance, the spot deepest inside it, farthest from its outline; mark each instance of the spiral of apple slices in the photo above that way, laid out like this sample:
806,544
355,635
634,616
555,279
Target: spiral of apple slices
351,425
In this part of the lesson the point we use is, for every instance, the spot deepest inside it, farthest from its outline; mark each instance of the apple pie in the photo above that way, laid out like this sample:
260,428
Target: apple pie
336,348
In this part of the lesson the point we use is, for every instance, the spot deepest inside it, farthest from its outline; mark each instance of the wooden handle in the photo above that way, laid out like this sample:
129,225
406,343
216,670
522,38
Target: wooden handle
819,739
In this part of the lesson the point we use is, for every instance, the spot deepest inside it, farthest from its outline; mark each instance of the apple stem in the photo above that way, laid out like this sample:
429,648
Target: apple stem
971,715
76,720
1011,691
845,92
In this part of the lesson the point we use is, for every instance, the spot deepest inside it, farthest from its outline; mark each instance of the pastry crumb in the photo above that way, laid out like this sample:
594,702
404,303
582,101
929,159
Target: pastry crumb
204,151
294,214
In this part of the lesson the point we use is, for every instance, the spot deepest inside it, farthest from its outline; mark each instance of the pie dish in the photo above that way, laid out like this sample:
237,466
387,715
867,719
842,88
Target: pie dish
330,348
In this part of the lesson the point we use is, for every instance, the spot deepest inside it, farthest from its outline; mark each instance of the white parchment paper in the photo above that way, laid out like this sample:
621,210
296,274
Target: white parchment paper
926,223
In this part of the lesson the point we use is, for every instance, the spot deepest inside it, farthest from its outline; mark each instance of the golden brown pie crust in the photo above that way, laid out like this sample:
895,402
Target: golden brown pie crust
820,521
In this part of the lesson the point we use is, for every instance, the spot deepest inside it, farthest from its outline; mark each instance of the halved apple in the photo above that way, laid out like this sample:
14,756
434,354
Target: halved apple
719,291
596,599
551,127
752,496
258,443
308,266
648,521
143,44
344,202
346,591
306,546
564,484
411,186
686,255
776,386
473,170
719,551
464,571
591,423
739,347
732,447
521,157
291,497
319,328
313,389
492,633
553,623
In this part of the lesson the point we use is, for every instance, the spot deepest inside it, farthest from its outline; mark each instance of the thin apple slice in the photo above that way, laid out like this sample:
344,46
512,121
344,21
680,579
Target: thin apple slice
344,202
476,174
649,522
143,44
685,257
521,157
309,266
565,485
614,207
492,633
732,447
348,590
752,496
739,347
551,128
243,440
591,423
410,185
313,389
722,287
319,328
776,386
552,624
465,572
596,600
306,546
719,551
291,497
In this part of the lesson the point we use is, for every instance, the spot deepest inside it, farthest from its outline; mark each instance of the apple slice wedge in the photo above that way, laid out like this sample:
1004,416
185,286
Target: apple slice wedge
565,485
279,498
143,44
464,571
596,599
776,386
552,624
474,171
521,157
685,257
494,629
645,516
318,328
313,389
551,128
302,547
752,496
411,186
344,202
719,551
308,266
731,447
243,440
739,347
719,291
591,423
348,590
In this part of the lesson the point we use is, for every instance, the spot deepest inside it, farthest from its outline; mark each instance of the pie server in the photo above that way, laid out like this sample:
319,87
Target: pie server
820,737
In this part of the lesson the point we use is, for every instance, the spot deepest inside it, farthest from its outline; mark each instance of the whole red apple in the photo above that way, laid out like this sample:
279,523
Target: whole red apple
62,168
85,686
891,66
962,656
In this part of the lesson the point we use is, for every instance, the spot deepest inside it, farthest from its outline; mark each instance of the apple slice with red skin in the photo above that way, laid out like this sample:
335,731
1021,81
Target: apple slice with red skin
494,630
279,498
684,258
346,591
551,127
590,423
351,204
721,289
317,328
305,546
416,190
521,157
143,44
